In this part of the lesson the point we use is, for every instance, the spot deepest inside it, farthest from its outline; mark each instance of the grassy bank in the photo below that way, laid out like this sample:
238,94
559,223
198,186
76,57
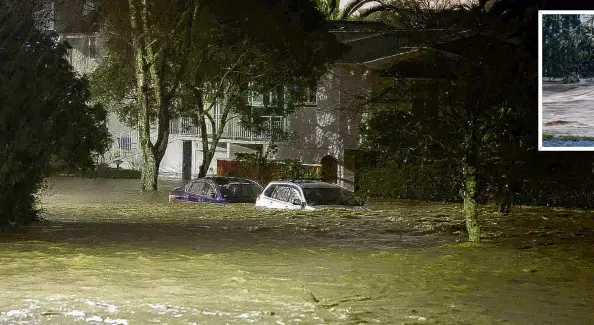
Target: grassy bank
547,136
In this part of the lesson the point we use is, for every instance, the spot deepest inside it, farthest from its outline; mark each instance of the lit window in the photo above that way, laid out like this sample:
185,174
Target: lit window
125,143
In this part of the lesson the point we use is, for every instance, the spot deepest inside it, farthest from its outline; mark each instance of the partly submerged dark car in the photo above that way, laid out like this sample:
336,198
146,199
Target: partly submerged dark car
218,190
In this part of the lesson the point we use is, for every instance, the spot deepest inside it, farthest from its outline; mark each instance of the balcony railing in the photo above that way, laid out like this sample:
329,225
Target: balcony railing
124,146
233,129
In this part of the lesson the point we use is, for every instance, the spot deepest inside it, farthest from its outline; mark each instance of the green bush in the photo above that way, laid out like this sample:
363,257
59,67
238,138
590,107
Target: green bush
429,182
44,114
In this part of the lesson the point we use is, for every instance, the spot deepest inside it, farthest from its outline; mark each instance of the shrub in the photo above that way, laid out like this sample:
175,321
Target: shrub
45,116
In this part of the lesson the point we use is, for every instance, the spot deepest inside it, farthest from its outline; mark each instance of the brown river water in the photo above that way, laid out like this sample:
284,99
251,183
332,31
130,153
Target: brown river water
568,109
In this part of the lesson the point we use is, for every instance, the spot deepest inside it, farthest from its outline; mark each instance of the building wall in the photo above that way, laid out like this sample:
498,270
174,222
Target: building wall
86,52
171,165
330,128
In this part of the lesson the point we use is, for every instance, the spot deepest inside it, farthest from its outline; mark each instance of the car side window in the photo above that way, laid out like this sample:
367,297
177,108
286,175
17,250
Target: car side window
208,191
282,193
286,193
195,187
294,195
270,190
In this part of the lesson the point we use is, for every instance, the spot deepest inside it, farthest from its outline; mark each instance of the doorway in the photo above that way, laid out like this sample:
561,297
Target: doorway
187,160
329,169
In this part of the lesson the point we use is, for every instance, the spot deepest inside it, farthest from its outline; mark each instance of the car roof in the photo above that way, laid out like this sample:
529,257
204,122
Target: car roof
223,180
307,183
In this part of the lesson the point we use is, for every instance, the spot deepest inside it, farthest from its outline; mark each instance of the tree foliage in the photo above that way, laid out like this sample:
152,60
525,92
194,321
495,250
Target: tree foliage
243,58
473,113
353,9
209,58
568,46
44,115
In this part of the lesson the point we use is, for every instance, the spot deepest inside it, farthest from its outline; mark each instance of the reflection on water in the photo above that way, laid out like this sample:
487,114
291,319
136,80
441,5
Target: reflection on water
98,190
568,109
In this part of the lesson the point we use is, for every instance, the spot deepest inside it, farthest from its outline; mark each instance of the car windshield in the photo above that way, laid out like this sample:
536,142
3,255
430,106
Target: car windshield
329,196
240,192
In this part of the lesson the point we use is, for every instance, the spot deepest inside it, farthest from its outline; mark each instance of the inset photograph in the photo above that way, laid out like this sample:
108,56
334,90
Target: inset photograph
566,99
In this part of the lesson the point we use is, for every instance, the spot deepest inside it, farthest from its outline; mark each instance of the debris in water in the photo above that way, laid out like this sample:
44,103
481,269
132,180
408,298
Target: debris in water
419,318
557,122
310,297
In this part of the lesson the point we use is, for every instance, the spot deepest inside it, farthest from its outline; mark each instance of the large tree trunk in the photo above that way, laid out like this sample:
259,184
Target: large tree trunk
209,149
470,205
149,85
205,149
149,169
204,139
208,155
151,160
469,174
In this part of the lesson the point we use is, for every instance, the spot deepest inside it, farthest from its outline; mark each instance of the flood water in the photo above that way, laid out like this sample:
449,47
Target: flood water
108,254
568,109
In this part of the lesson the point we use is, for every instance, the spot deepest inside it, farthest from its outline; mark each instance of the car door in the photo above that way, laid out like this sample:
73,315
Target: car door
282,197
295,194
279,197
265,198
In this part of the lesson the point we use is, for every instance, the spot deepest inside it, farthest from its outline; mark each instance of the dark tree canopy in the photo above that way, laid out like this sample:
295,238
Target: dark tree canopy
44,115
473,109
181,60
568,46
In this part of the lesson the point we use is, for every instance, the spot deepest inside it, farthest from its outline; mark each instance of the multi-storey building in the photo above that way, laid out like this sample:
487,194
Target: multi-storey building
323,131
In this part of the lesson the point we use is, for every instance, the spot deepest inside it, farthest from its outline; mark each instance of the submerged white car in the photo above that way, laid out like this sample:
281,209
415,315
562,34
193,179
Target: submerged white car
306,195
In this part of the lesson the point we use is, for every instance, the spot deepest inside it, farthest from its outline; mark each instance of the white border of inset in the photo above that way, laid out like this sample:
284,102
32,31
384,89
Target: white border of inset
540,14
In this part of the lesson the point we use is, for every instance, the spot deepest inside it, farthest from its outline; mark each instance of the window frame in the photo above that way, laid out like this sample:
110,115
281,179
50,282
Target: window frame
192,185
268,192
312,92
293,190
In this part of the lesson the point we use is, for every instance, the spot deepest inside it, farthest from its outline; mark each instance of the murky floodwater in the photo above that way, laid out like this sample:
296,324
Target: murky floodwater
568,109
98,190
108,254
